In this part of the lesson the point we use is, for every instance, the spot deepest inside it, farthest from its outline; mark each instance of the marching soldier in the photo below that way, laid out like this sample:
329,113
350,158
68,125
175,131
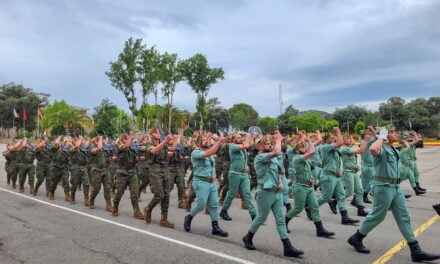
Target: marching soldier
99,173
27,167
176,172
407,163
43,156
59,168
143,166
7,163
78,170
367,163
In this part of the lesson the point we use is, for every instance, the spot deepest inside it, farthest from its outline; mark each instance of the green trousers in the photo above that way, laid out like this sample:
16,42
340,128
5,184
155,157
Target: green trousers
353,185
407,173
316,173
13,171
331,184
124,179
143,172
43,172
98,177
78,175
160,187
286,190
267,201
305,195
388,197
239,182
57,174
8,174
26,170
206,194
416,173
176,178
366,175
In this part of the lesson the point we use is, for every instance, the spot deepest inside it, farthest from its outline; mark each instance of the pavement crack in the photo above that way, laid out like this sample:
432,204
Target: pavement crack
107,254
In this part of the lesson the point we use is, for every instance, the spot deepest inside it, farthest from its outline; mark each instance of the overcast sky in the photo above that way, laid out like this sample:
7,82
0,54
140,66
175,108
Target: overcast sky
324,53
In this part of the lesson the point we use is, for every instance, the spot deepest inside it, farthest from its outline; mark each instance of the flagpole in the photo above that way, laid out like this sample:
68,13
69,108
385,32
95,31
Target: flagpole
38,123
13,126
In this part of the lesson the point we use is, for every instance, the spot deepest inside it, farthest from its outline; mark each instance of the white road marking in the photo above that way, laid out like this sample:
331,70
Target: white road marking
215,253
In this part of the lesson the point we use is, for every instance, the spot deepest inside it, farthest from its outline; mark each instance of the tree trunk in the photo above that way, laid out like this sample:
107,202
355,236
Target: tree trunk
170,111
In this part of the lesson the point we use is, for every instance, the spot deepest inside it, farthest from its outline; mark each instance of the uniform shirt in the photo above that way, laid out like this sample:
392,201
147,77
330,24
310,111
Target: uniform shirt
406,156
267,170
316,158
13,157
291,155
126,158
43,156
238,158
349,159
202,166
60,158
386,164
159,158
330,158
367,158
28,155
78,158
97,159
303,168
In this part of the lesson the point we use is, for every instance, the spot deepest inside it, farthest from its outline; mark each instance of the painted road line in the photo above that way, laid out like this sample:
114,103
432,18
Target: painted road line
402,244
215,253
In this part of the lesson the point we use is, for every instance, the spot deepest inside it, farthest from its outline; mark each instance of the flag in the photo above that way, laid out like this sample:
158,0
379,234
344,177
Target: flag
40,113
24,115
16,116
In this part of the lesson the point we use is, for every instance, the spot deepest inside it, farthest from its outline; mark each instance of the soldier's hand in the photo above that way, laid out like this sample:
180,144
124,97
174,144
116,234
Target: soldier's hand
169,137
337,130
283,171
280,186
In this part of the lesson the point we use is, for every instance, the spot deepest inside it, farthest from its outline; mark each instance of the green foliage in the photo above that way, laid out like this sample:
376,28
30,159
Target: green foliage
218,118
394,111
360,125
268,124
110,120
309,122
243,116
349,115
148,71
16,95
330,124
283,119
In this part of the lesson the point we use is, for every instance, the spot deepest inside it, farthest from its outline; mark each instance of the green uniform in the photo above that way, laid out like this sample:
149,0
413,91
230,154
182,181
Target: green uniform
253,152
143,169
59,169
8,166
159,179
352,181
367,166
387,194
330,180
27,167
224,186
316,162
407,165
78,172
202,184
14,155
126,176
176,173
43,167
238,178
281,159
304,192
268,196
99,175
413,159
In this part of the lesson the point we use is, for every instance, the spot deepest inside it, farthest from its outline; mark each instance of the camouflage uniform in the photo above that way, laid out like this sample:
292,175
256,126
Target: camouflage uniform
99,174
253,152
27,168
8,167
224,185
14,167
176,174
59,170
143,170
78,173
43,168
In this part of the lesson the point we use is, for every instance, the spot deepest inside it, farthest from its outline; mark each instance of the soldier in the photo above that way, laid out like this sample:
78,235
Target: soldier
238,175
112,164
59,168
15,158
331,175
7,163
253,152
159,178
387,195
407,163
126,175
143,167
27,167
176,172
42,154
99,173
351,179
203,183
304,193
224,185
413,139
367,163
78,169
269,194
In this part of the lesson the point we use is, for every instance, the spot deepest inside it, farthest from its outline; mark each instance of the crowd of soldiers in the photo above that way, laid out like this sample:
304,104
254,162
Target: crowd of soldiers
278,168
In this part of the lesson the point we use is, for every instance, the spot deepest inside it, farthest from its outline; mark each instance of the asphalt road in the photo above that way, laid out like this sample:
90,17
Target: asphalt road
36,230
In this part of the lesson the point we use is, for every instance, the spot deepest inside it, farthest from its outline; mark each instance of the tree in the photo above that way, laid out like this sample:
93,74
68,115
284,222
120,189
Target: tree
243,116
360,125
218,118
309,122
148,72
330,124
19,97
122,73
170,74
283,119
200,77
110,120
61,115
394,111
268,124
349,115
422,116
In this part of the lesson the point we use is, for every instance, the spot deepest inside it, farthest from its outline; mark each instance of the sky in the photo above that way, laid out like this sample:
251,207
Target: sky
325,54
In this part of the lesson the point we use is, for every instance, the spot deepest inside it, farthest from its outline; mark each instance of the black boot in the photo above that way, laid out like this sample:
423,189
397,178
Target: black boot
436,208
308,213
353,202
253,217
217,231
407,196
287,220
289,250
420,188
418,191
356,241
361,211
366,200
247,240
288,207
187,222
418,255
321,232
346,220
224,215
332,205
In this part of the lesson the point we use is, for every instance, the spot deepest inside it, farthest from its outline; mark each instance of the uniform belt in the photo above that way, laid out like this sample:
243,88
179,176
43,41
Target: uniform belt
205,179
304,181
237,170
351,170
386,180
368,164
273,189
331,173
